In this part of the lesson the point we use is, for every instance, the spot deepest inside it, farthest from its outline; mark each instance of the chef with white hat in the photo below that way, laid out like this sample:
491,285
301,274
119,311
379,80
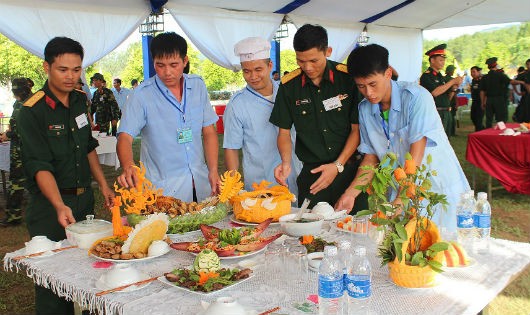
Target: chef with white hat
246,119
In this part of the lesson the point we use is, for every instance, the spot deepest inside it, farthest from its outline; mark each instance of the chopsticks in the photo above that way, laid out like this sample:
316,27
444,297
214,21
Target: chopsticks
40,253
126,286
270,311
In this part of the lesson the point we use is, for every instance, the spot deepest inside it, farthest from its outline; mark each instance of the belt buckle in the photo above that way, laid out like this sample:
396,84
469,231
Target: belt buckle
79,191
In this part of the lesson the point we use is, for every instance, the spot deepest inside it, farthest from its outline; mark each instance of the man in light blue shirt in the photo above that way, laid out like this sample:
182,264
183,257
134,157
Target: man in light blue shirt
173,115
400,117
120,93
246,119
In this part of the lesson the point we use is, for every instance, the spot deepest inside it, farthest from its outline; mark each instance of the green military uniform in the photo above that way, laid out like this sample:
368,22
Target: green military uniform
522,112
57,139
106,108
495,86
320,134
16,173
431,79
452,103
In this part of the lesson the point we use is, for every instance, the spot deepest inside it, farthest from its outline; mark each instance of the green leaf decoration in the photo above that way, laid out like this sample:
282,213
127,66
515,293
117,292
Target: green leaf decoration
400,229
438,247
416,258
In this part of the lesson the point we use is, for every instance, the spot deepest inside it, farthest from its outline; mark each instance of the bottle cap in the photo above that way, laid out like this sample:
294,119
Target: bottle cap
330,251
482,196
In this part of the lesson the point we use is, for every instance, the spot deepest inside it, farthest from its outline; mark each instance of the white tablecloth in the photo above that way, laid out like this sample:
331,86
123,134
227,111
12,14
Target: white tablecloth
461,291
107,151
5,156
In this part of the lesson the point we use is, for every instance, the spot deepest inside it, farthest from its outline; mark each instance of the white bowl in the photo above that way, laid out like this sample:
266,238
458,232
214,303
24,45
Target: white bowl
122,274
95,133
324,209
314,259
301,228
223,305
86,232
157,248
40,243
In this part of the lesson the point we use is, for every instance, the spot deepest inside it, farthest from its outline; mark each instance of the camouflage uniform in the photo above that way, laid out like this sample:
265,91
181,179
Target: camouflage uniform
16,172
106,108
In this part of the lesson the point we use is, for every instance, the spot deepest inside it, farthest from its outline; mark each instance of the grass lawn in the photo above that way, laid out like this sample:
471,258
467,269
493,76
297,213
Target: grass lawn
510,220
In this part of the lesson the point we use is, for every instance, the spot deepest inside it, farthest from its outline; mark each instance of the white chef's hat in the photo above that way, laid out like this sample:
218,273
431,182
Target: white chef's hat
252,48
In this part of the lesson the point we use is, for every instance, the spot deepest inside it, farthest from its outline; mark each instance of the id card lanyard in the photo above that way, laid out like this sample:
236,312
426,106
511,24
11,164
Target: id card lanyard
386,127
260,96
184,134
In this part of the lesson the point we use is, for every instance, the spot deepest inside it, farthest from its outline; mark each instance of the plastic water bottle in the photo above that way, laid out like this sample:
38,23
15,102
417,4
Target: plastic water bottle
359,282
330,283
464,222
346,259
482,223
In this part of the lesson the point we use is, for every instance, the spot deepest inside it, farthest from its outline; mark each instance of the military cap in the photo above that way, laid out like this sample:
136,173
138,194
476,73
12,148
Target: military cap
98,76
450,68
252,48
437,51
491,61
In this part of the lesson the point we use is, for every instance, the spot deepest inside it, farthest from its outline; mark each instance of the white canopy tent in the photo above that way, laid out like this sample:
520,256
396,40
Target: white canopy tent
214,26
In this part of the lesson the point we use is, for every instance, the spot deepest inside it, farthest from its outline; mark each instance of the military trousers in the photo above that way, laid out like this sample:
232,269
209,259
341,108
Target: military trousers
496,106
447,121
334,191
477,115
41,219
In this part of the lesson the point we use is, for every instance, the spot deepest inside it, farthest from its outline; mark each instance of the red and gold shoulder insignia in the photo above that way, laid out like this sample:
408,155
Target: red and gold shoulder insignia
291,75
80,91
34,99
342,68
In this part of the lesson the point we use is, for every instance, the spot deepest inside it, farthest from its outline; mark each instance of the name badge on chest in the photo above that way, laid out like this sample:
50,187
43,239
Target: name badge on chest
81,121
332,103
184,135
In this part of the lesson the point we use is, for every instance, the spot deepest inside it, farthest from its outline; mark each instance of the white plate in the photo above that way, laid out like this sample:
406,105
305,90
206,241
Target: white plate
247,254
130,260
100,285
233,219
164,280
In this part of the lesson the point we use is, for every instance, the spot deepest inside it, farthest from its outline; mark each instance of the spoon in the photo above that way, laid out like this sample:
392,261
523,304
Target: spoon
305,204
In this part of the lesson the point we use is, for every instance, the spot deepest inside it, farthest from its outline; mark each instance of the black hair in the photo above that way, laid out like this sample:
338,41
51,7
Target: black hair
20,88
274,72
520,69
62,45
30,83
310,36
168,44
476,68
187,68
133,82
364,61
117,80
527,60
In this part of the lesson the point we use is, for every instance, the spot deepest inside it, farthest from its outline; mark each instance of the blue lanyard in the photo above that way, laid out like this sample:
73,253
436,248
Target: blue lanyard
183,110
386,128
259,95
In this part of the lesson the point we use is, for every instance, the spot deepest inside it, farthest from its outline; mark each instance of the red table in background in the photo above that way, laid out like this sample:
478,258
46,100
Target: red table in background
506,158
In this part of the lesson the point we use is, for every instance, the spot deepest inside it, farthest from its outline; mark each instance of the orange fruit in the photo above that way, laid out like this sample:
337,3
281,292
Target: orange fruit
411,190
399,174
370,190
410,167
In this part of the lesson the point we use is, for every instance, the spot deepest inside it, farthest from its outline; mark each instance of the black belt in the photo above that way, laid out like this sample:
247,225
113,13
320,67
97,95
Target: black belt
443,108
73,191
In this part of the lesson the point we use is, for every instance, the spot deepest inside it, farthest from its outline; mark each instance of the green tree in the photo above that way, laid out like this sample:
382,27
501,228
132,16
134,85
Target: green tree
15,62
134,67
287,61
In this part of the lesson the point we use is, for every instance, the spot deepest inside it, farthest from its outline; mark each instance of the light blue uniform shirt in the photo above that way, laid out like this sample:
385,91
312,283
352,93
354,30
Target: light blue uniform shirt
153,112
413,116
247,127
121,96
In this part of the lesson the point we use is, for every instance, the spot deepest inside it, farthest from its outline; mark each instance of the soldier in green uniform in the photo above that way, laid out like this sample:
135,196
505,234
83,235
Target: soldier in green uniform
320,99
58,155
21,90
105,106
477,113
494,93
440,89
449,73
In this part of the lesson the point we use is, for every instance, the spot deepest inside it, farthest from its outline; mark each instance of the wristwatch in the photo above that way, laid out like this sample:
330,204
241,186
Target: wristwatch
339,166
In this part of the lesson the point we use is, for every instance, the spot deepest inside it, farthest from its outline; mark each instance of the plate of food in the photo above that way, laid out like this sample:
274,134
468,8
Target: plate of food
230,243
206,276
314,244
351,225
241,222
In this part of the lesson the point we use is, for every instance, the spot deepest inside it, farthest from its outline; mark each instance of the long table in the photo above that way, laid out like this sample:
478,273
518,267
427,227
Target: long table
506,158
460,291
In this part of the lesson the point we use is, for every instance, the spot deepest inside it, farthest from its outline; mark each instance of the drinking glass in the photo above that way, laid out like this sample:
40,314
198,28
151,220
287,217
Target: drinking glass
359,229
274,258
296,262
